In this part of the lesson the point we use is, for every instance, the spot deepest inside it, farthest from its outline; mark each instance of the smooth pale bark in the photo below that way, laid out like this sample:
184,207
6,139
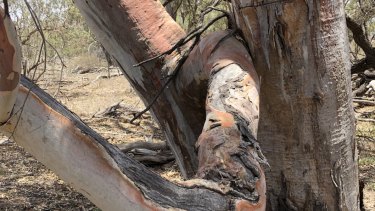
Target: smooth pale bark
133,31
306,128
10,66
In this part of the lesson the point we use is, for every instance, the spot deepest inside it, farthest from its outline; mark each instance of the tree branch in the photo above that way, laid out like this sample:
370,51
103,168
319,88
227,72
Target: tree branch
359,36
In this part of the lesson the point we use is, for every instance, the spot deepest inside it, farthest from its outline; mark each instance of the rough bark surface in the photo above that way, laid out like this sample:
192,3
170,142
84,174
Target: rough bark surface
306,128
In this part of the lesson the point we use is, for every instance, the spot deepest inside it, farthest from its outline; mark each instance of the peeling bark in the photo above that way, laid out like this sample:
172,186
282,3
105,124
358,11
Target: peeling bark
306,127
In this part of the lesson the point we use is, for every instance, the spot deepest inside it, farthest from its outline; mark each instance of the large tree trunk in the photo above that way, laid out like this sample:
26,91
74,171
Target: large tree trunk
300,50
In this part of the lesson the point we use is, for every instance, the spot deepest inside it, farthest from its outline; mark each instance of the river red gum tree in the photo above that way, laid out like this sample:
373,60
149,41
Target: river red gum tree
209,110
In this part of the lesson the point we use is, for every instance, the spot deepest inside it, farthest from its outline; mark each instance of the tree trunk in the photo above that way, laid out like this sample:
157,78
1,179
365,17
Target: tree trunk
300,50
131,37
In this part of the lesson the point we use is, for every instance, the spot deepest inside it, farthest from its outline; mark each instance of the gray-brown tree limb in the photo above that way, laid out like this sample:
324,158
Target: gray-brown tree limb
362,41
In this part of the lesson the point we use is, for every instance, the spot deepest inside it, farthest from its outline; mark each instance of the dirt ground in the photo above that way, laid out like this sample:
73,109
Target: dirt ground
25,184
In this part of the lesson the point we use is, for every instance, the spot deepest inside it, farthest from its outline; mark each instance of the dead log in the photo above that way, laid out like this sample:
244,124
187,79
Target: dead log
143,145
109,111
148,153
360,90
364,102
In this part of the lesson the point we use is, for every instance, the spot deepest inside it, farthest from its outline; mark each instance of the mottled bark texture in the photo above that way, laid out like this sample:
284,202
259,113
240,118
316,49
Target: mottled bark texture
306,128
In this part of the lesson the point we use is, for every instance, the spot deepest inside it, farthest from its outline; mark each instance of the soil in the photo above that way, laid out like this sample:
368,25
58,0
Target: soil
25,184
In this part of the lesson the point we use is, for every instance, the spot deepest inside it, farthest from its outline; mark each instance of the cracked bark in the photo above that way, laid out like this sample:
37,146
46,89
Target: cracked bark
306,127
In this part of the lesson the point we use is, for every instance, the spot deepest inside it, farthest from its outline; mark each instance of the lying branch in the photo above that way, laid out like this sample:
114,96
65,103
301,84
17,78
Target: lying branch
108,111
143,145
360,90
366,120
364,102
361,66
150,157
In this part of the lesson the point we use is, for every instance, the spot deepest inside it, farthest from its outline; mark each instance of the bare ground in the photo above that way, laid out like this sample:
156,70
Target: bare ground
25,184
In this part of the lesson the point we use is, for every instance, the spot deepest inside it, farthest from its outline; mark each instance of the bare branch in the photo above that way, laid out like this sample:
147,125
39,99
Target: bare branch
359,36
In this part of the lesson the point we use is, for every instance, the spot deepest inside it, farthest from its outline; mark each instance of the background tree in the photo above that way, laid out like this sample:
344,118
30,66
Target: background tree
62,26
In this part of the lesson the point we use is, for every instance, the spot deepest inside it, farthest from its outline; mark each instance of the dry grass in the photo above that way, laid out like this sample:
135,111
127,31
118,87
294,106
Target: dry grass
366,145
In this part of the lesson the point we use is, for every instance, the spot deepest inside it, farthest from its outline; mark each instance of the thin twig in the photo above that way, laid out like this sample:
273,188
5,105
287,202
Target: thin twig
194,33
181,61
43,46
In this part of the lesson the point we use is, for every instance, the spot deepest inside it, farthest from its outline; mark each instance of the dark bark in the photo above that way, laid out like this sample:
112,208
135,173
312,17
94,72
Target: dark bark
361,40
